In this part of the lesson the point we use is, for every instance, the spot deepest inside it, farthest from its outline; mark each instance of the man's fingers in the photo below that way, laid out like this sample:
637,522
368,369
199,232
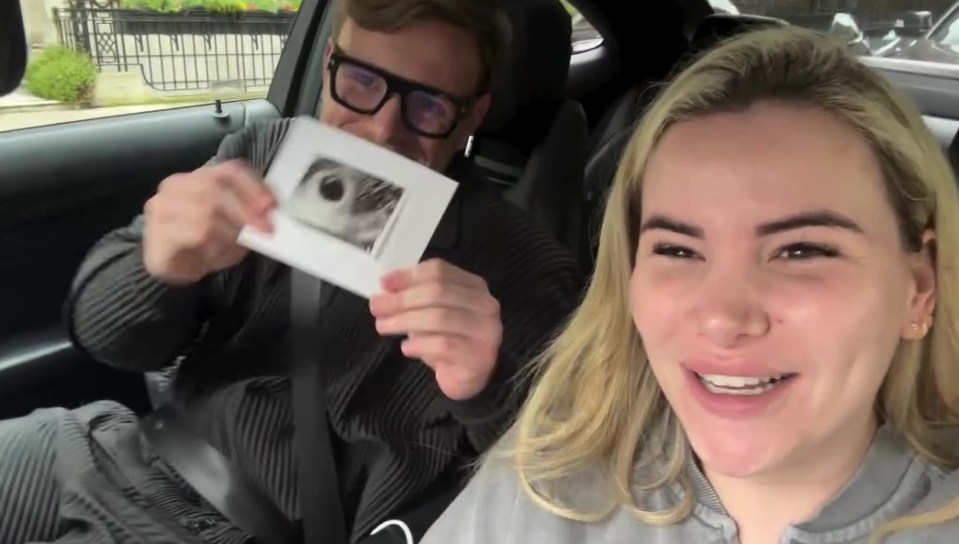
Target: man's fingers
246,200
210,235
431,321
238,213
235,191
227,257
229,190
455,360
436,349
433,270
247,185
425,295
192,223
443,272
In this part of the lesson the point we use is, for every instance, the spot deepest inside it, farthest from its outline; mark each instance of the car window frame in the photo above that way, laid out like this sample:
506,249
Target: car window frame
295,77
950,18
310,98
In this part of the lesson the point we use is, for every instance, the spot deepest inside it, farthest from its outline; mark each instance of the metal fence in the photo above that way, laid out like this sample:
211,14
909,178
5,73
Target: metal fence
189,51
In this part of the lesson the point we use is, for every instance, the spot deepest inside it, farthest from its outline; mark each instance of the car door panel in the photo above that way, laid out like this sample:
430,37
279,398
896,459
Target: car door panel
42,369
934,88
943,129
62,187
82,180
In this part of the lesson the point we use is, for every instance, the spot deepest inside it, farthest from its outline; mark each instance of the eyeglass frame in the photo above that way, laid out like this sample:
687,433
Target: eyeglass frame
396,85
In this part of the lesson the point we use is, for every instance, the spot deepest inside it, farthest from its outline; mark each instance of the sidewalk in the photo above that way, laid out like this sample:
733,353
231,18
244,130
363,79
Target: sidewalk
21,101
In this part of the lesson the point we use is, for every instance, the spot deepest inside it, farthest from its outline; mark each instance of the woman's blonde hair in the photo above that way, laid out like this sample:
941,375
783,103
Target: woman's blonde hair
596,404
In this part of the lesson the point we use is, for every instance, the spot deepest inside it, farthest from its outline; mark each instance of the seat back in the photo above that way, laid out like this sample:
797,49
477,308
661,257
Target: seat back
721,26
532,145
627,110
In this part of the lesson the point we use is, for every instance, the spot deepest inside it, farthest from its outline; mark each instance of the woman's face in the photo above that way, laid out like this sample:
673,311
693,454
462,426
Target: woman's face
771,288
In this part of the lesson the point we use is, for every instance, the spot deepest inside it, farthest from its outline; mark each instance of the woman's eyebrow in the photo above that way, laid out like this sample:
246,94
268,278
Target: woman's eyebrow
816,218
661,222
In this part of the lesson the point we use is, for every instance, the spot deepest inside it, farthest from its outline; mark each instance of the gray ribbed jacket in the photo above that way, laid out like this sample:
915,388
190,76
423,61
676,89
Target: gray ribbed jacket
891,482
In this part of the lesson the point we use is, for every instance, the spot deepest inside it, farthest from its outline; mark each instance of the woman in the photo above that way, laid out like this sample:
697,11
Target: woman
769,349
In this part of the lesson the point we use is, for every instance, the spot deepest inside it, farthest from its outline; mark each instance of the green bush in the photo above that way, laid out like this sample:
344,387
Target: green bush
58,73
163,6
225,6
215,6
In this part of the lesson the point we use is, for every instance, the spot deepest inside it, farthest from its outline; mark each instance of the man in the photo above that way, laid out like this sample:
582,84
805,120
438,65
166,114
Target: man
420,379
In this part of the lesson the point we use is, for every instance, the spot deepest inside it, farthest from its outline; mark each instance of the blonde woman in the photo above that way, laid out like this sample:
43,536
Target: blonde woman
769,349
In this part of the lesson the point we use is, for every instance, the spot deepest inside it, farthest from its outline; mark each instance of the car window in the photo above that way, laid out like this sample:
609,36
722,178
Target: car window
585,36
947,30
100,58
917,30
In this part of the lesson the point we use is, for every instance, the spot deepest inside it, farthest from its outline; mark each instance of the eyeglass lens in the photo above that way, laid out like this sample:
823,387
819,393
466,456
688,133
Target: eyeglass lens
364,90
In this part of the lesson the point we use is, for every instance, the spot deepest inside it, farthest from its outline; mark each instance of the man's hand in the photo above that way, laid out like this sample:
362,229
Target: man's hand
192,223
451,320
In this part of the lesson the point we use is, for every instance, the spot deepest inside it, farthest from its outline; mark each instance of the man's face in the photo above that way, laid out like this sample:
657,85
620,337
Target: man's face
436,55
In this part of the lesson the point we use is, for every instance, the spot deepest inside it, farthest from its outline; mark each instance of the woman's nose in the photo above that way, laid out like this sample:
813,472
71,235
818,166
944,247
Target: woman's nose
729,307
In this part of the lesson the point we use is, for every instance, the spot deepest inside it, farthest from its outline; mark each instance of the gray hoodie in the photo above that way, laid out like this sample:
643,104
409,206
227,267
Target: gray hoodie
892,481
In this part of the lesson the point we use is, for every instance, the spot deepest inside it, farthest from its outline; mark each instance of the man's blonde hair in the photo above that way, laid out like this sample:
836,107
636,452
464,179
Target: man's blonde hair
485,19
597,402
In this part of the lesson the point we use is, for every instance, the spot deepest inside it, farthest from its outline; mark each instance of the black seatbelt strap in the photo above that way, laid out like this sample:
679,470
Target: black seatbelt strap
321,505
201,465
216,479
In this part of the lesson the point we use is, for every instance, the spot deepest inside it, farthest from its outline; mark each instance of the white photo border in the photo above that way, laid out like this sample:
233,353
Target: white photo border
426,195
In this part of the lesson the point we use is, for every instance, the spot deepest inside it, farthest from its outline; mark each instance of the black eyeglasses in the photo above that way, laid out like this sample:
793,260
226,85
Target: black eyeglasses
364,88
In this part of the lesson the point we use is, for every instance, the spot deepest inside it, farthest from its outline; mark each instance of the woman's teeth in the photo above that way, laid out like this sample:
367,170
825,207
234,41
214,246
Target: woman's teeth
740,385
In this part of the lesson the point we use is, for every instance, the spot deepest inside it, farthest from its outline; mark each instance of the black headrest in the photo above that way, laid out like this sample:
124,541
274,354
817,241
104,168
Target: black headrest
539,59
721,26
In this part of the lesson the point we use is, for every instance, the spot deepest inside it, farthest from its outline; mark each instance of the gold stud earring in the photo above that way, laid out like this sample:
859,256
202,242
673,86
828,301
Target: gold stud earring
916,330
921,328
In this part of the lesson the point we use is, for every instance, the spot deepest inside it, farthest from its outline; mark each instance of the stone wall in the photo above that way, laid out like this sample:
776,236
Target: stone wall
38,21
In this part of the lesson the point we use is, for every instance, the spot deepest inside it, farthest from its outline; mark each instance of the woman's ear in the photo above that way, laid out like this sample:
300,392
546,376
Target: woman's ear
922,305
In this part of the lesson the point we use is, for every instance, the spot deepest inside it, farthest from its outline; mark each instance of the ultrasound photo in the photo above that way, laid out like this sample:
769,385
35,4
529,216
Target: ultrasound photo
345,202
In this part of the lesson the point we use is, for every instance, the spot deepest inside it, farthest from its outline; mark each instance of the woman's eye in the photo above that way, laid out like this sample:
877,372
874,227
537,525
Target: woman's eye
803,251
674,251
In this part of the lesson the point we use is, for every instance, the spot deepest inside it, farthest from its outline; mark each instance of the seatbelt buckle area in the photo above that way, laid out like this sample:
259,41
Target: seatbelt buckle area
215,478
